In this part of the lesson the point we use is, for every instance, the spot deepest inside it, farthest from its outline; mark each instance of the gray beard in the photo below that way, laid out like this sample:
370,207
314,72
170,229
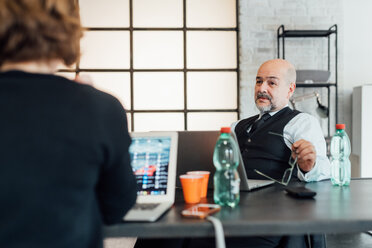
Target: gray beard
265,109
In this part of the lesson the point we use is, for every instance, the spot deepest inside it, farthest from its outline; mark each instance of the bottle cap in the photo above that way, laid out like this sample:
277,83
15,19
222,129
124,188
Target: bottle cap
225,129
340,126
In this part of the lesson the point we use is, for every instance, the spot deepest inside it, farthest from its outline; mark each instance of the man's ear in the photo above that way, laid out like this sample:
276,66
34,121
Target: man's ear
292,87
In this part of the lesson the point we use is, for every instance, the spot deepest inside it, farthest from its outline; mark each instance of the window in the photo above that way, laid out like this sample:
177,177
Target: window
173,64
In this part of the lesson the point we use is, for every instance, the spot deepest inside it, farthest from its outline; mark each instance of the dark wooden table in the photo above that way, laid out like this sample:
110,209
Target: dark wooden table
269,211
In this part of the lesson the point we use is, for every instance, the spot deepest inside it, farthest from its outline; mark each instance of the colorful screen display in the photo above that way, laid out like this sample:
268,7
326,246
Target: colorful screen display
150,162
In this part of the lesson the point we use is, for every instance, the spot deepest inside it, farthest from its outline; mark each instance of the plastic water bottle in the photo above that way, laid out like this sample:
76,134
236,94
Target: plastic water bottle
340,152
226,178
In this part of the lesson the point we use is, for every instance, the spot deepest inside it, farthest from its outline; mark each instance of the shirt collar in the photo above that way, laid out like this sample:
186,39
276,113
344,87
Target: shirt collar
271,113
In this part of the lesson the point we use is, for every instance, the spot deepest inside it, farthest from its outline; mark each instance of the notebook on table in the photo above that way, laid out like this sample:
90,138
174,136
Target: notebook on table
195,152
153,160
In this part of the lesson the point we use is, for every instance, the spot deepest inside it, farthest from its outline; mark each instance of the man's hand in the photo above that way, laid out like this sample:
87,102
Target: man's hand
306,154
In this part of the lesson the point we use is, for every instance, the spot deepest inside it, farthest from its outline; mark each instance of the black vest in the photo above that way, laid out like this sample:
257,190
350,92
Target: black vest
263,151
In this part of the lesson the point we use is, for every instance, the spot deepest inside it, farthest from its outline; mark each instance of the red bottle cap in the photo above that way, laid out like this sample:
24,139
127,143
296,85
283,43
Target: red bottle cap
225,129
340,126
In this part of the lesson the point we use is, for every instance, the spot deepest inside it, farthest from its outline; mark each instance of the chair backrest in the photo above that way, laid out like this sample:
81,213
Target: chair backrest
303,241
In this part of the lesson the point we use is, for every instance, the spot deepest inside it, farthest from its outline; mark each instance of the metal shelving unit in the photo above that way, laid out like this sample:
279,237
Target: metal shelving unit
282,34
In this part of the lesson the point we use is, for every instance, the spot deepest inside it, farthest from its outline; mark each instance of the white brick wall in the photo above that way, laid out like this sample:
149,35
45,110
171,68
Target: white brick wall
259,21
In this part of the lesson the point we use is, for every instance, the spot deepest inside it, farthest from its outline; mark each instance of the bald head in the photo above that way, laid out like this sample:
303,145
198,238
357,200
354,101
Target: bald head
284,67
275,84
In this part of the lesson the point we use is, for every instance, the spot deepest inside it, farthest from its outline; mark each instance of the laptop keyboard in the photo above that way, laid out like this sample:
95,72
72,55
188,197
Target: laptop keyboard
145,206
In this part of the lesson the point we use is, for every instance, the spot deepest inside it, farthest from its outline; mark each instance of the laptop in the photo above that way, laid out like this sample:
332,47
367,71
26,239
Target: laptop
153,160
195,152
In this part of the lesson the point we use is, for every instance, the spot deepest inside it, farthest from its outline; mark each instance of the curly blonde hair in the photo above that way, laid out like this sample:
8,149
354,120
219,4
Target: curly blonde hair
34,30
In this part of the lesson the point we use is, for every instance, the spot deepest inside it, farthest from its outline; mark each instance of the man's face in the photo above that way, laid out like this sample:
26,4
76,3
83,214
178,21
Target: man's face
272,91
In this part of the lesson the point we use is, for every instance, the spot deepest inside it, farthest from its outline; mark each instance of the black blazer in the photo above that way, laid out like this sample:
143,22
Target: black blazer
64,162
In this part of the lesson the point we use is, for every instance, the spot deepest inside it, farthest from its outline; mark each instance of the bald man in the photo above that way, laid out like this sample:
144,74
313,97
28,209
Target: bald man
269,139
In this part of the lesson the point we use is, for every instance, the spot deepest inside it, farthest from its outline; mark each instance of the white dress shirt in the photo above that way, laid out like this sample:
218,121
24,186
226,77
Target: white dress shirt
305,126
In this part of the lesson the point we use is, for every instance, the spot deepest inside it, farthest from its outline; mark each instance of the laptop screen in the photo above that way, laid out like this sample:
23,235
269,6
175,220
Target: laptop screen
150,163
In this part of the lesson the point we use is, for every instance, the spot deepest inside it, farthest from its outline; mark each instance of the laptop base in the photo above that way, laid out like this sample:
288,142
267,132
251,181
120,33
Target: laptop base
147,215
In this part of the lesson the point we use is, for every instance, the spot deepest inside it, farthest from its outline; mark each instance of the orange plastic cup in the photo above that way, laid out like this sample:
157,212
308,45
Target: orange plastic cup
191,186
204,187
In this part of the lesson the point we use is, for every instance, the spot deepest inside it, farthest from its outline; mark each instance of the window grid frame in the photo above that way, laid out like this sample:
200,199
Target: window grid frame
131,70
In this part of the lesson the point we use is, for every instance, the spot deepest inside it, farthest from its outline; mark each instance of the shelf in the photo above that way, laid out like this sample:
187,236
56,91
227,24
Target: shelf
306,33
316,76
320,78
315,85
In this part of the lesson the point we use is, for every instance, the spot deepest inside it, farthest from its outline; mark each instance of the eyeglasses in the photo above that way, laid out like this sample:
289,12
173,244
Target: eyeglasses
288,172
